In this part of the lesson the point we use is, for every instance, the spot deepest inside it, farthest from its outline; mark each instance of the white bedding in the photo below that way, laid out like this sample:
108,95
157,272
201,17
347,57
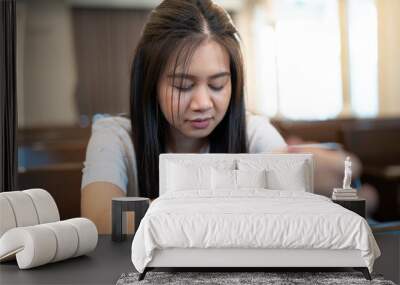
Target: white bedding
250,218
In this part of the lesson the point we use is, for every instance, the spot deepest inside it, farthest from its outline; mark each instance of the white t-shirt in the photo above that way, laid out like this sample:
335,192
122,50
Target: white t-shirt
110,156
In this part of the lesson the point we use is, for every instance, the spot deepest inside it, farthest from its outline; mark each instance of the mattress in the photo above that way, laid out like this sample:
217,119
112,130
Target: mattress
250,219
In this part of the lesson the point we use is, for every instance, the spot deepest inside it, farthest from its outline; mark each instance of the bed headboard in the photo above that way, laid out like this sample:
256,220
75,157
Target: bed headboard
273,159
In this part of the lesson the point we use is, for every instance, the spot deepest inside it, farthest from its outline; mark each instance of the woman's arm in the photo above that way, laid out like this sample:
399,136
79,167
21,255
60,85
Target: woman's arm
109,155
96,204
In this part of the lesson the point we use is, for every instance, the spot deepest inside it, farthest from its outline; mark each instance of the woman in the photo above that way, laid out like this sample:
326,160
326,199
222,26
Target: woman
187,96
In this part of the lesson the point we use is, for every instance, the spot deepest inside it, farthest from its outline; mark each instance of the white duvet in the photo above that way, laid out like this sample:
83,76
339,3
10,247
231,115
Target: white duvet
251,218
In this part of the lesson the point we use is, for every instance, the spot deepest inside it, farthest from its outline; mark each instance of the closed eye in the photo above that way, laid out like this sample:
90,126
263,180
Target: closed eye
216,88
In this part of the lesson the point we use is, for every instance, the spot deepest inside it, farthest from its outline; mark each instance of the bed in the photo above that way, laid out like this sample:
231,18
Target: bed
245,211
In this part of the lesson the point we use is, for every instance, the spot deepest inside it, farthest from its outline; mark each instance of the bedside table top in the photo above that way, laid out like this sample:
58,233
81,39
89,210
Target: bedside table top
347,200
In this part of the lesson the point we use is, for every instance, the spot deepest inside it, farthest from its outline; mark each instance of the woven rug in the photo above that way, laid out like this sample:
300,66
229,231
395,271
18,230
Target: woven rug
229,278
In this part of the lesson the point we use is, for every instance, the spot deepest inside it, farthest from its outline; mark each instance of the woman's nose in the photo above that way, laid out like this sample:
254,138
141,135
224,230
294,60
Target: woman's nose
201,100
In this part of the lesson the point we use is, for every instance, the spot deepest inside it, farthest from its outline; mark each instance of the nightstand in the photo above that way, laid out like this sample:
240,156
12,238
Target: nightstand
356,205
139,205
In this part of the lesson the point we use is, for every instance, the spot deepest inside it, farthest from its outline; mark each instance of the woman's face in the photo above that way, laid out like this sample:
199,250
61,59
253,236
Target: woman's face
205,91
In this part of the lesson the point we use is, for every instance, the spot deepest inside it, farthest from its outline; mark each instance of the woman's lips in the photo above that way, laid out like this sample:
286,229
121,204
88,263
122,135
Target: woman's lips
200,123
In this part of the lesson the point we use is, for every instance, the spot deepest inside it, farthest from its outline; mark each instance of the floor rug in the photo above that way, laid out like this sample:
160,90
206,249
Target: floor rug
229,278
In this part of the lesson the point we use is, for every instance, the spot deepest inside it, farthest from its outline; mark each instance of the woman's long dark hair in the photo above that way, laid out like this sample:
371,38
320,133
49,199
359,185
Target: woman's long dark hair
177,27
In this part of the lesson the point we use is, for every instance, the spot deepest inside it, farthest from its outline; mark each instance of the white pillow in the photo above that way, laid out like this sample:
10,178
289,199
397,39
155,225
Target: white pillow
223,179
251,178
282,174
295,180
181,177
236,179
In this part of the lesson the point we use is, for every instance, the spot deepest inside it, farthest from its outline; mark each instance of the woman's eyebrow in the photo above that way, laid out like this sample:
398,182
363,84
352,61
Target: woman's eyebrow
192,77
221,74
